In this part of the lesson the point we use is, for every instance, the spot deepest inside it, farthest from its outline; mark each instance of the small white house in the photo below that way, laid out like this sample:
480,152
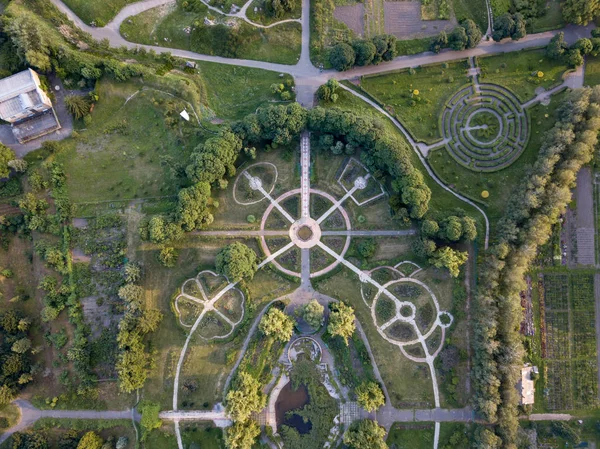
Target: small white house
526,385
25,105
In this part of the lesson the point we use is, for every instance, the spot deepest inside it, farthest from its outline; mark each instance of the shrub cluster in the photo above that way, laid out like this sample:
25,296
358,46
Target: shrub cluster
535,206
362,52
558,49
466,35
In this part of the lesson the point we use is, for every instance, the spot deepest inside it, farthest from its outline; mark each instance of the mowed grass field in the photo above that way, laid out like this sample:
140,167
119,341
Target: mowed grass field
475,10
420,113
420,435
501,183
173,27
515,71
119,155
100,12
592,71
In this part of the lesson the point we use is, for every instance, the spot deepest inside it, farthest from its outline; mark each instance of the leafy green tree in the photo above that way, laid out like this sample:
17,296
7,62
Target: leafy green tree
584,45
237,262
312,313
131,293
18,165
132,366
452,229
342,57
91,440
245,398
6,155
7,395
385,46
21,346
557,46
458,39
365,51
580,12
242,435
370,396
168,256
341,321
367,248
77,105
469,228
192,207
215,158
430,228
29,440
439,42
446,257
486,439
574,57
150,419
132,272
327,91
365,434
473,33
277,324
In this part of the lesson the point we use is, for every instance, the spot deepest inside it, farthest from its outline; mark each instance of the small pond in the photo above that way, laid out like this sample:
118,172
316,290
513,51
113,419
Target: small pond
288,400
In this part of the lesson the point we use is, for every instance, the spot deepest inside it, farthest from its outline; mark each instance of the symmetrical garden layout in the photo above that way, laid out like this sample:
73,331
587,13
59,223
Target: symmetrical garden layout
405,311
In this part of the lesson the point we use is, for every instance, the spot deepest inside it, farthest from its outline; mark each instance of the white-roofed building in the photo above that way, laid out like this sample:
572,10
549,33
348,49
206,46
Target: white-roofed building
25,105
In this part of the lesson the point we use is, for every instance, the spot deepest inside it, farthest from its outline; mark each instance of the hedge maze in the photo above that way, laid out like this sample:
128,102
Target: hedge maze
570,337
485,127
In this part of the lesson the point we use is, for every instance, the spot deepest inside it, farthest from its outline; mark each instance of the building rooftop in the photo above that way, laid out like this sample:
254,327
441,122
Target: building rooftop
526,385
35,127
19,93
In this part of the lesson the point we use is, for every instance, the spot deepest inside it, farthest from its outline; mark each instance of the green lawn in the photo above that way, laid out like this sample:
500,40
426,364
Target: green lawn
119,155
100,12
472,9
413,46
172,26
592,71
499,184
235,92
419,113
514,71
552,20
420,435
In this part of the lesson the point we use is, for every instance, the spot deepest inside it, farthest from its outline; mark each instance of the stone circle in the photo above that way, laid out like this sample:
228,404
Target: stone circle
485,127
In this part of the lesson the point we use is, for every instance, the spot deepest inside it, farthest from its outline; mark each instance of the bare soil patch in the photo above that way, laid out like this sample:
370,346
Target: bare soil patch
353,16
403,20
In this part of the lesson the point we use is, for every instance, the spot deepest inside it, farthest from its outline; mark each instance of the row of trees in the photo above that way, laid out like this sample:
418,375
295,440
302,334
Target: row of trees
559,50
134,360
466,35
509,25
361,52
535,206
15,350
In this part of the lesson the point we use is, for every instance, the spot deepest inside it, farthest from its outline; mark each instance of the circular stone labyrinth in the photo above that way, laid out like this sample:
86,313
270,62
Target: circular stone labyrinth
485,127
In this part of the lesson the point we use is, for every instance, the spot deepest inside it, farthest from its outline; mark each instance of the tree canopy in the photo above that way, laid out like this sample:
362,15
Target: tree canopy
6,155
245,397
237,262
277,324
580,12
312,313
370,396
341,321
365,434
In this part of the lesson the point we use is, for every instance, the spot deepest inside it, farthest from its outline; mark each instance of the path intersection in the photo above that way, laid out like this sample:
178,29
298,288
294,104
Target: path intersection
492,114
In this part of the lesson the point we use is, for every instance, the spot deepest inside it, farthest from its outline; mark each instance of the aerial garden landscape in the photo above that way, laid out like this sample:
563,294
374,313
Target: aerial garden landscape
299,224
